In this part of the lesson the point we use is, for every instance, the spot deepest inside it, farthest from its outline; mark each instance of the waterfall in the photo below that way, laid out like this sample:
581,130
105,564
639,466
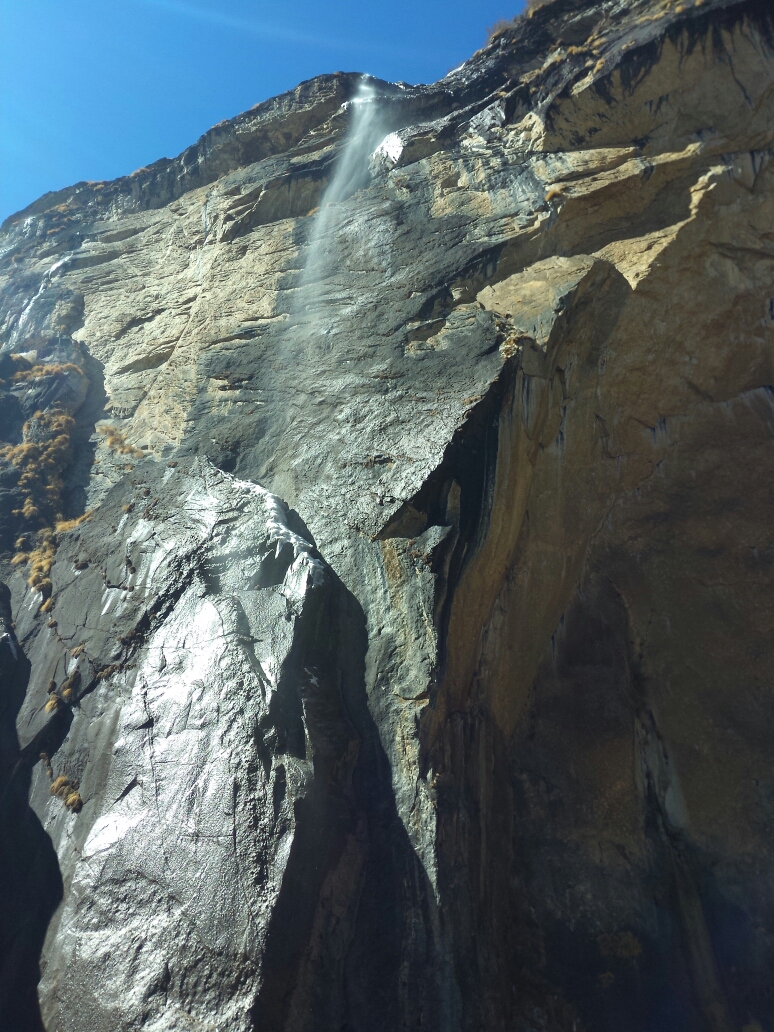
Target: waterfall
367,129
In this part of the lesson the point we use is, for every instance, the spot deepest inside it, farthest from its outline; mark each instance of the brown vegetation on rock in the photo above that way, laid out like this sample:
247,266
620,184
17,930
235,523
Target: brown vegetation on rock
500,26
19,363
71,683
67,791
117,442
63,526
42,458
503,24
46,369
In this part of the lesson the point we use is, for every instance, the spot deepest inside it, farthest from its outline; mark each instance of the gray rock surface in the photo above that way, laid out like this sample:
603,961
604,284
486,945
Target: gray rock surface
196,682
389,623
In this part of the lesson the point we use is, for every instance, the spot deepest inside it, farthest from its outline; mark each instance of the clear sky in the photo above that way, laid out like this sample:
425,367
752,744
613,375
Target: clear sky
93,89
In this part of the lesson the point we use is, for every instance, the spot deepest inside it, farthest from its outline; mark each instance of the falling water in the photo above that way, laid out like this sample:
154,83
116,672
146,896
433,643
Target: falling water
366,131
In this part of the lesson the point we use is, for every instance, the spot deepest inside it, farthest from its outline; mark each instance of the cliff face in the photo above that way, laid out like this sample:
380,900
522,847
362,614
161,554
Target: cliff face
386,504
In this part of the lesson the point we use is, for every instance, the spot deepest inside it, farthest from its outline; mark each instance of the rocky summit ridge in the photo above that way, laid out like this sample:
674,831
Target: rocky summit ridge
386,519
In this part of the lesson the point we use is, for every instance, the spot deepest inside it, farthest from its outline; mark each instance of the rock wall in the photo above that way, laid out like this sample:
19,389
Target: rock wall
387,640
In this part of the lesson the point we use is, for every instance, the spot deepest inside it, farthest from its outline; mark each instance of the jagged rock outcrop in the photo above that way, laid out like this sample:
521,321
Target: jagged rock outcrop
388,638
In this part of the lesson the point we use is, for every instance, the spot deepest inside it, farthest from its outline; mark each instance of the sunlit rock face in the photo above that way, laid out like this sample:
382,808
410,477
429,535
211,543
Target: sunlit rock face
411,666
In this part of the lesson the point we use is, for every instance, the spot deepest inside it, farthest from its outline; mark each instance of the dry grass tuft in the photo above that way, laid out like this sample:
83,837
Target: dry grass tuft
18,362
67,791
117,442
40,561
503,24
74,802
108,671
72,682
63,526
46,369
500,26
530,7
40,458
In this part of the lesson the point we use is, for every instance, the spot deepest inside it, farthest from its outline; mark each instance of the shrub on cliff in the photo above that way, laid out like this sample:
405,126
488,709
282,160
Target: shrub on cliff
503,24
41,458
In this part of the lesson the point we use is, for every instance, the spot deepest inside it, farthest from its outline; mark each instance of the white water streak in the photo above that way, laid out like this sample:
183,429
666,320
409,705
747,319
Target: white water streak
366,131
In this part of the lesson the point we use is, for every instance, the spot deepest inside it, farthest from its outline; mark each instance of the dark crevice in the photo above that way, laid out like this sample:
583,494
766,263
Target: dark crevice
373,962
29,871
458,493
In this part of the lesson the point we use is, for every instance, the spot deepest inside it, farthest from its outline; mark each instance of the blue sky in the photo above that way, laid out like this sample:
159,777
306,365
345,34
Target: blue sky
92,89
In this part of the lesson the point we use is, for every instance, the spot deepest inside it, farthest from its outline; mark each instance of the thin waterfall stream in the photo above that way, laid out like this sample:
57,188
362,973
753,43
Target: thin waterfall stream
367,128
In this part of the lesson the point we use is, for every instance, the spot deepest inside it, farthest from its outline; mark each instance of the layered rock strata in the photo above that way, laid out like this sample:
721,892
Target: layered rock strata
387,641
